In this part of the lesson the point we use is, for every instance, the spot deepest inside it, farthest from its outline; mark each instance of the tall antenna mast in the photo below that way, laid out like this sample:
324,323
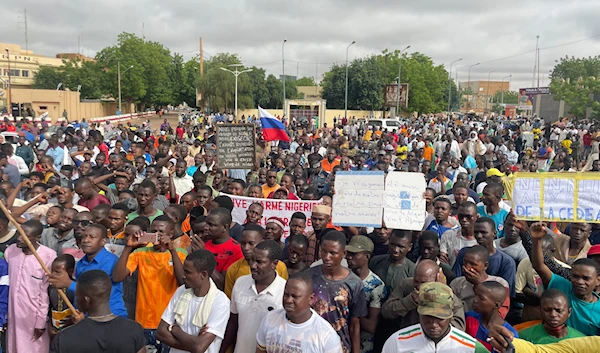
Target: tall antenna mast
536,60
23,22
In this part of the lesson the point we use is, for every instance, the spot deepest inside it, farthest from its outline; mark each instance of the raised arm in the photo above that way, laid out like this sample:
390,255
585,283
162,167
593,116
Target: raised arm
538,231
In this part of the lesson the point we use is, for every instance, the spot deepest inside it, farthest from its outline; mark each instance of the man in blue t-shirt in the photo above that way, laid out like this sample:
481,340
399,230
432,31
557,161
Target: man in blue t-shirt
492,206
585,272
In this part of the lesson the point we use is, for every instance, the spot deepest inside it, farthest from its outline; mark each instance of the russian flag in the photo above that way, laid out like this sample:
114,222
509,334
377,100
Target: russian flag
272,129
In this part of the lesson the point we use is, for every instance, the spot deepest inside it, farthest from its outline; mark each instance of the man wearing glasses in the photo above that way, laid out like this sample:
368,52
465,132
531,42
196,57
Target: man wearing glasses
80,223
455,239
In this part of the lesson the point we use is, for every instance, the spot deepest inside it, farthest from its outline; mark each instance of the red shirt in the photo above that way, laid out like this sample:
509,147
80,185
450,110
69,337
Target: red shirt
587,139
225,254
102,147
93,203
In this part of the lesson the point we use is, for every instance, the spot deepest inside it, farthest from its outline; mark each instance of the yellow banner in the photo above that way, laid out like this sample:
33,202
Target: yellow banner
557,197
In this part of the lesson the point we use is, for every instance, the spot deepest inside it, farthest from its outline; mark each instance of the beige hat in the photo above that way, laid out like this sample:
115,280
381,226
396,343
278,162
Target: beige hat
322,209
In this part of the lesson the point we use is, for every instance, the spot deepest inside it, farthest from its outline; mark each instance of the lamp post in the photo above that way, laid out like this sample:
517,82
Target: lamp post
502,93
9,98
400,78
450,82
282,78
469,83
487,93
346,94
236,73
119,82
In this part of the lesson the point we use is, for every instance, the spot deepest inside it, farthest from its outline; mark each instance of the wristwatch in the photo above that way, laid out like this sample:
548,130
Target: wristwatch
170,328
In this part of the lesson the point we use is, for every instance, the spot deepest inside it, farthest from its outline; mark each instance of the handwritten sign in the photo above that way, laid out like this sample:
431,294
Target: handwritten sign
358,199
403,201
557,197
236,146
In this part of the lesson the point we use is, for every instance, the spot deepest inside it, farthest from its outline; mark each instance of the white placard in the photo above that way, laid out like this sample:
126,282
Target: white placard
358,199
403,201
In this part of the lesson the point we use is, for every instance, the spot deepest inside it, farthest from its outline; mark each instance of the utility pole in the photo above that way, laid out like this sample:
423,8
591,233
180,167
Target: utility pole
9,98
346,94
399,79
535,61
283,76
119,79
502,93
201,95
450,82
236,73
26,33
469,84
487,93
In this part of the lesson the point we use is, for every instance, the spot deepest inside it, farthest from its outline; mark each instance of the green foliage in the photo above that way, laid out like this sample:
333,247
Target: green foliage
577,81
305,81
510,97
428,84
47,78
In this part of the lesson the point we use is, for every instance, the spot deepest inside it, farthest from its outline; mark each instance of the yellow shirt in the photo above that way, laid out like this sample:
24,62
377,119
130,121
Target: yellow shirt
567,145
266,190
402,152
240,268
573,345
368,135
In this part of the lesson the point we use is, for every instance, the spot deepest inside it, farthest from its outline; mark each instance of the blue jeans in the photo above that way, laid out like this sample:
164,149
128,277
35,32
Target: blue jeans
152,341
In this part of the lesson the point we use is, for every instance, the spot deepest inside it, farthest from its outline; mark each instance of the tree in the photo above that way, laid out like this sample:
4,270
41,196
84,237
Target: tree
191,73
508,97
47,78
260,92
305,81
219,86
576,81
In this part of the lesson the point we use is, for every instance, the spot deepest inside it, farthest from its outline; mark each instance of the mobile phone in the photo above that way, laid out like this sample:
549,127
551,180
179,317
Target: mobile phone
149,238
511,347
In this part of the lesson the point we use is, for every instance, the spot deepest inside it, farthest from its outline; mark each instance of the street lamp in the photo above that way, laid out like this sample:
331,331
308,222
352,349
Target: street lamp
346,95
236,73
469,83
9,99
282,77
119,79
487,96
400,78
450,82
502,93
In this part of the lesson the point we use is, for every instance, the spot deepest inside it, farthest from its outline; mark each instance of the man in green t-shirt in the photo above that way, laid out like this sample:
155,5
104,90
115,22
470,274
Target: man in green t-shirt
579,289
555,310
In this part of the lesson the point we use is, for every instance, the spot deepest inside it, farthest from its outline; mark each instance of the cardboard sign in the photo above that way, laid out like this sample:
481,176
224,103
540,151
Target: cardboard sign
358,199
236,144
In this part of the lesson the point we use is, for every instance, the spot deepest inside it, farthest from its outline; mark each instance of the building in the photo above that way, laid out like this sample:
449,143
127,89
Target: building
482,92
23,66
310,92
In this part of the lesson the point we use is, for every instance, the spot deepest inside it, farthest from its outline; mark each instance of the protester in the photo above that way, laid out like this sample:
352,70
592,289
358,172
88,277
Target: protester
394,267
433,332
101,330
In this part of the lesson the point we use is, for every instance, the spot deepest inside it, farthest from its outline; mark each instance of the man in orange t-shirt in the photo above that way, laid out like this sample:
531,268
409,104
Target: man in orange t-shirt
331,161
428,151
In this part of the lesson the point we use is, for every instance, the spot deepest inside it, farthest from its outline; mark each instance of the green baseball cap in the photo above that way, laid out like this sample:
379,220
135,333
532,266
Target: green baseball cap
360,243
436,299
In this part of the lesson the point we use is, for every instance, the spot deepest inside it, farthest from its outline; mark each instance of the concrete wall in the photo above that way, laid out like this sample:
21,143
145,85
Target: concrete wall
329,114
55,102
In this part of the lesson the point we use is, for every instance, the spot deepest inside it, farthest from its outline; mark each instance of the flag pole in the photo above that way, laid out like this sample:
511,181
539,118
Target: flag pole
62,294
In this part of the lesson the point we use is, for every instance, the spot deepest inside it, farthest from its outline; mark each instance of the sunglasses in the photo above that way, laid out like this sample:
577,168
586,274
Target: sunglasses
84,222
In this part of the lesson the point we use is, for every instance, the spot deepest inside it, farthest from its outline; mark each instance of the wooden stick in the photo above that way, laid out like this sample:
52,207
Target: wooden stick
61,293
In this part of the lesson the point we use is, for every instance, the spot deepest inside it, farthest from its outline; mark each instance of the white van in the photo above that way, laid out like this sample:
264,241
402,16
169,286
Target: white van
389,124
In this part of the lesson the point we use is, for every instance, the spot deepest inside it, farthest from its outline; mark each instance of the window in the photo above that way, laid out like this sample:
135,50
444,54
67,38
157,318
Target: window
12,72
25,73
43,107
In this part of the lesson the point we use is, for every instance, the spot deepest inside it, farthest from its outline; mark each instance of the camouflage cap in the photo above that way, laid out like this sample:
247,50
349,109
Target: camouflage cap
436,299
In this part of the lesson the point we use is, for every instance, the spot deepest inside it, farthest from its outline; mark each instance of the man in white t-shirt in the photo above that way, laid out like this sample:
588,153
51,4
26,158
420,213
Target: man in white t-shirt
253,297
197,306
296,327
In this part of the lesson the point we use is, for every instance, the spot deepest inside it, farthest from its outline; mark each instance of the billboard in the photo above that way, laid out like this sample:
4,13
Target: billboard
527,96
390,95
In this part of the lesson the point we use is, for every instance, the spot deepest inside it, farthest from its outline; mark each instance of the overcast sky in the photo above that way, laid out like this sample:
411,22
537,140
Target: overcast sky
320,30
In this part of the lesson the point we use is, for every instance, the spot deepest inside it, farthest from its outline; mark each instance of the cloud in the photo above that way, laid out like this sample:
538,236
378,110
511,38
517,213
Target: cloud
320,31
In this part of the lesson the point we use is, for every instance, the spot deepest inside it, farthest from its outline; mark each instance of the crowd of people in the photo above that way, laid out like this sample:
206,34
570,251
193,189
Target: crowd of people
136,227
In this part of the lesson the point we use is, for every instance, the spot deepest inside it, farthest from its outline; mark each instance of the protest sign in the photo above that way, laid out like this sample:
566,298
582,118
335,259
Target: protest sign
403,202
283,209
358,199
557,197
236,146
